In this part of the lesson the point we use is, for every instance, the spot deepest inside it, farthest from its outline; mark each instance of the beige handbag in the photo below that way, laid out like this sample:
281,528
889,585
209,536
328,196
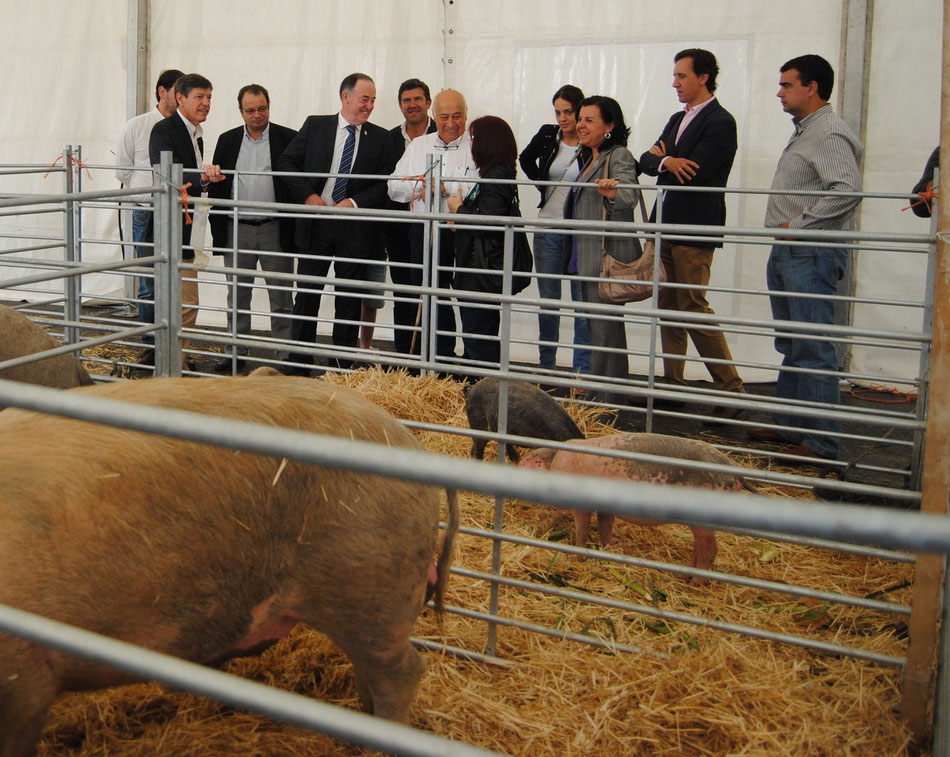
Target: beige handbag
618,279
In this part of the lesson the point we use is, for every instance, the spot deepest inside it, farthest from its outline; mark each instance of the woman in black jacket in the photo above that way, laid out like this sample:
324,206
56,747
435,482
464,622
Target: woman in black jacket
552,156
494,152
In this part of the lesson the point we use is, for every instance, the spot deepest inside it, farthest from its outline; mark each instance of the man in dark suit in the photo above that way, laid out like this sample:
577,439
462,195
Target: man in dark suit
343,143
181,135
696,148
251,148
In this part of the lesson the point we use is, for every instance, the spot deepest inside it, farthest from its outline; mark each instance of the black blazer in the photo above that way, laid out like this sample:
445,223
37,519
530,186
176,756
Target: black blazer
536,159
225,155
171,134
710,140
311,151
922,209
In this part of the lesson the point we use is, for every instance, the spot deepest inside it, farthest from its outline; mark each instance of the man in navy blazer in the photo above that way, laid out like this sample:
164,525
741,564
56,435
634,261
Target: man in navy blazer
181,135
696,149
319,147
251,148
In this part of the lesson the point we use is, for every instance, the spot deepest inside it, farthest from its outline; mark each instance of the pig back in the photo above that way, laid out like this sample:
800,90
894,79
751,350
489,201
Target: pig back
660,445
531,411
19,336
172,544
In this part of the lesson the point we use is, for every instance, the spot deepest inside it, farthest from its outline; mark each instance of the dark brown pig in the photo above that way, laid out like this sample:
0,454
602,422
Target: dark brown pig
564,461
207,553
19,336
531,412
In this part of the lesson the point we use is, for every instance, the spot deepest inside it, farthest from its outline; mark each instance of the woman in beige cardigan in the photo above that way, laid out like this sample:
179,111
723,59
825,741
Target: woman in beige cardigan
603,136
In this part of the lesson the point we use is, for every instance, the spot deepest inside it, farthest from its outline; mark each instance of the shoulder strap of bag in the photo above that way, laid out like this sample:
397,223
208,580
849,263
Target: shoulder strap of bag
603,208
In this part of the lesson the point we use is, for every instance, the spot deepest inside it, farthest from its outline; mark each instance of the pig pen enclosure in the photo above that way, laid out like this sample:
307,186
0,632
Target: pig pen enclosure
796,645
736,666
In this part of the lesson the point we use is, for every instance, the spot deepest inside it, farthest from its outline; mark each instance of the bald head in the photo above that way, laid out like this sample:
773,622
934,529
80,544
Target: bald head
450,112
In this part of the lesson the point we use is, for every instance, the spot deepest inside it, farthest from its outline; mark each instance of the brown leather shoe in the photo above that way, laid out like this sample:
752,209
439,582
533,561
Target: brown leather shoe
765,434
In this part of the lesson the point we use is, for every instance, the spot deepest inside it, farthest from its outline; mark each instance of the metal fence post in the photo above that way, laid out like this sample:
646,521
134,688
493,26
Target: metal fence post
167,273
71,288
498,522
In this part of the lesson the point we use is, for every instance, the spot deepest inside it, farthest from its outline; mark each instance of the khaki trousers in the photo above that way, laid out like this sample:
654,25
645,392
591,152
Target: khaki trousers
189,304
690,265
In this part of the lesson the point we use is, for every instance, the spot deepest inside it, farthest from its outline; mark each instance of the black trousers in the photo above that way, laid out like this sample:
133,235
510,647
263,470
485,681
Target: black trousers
331,239
445,312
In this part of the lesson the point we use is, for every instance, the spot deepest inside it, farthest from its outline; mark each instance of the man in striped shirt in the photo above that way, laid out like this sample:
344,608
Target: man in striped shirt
822,155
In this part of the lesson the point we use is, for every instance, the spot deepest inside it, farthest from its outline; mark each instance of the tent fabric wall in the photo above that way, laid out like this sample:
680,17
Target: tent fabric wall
507,58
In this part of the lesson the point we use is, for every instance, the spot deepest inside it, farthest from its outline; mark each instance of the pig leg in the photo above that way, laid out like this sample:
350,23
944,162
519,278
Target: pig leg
386,680
511,452
27,690
704,552
605,527
478,449
581,527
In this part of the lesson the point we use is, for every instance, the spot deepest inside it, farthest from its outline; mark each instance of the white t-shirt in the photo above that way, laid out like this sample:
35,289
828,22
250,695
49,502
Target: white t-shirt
564,168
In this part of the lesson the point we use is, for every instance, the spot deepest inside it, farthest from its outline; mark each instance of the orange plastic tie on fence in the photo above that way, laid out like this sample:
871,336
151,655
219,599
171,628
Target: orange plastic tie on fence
925,197
78,162
184,202
53,165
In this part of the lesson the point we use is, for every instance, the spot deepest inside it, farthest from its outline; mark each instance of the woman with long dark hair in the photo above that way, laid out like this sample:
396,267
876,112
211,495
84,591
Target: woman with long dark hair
494,152
603,133
552,155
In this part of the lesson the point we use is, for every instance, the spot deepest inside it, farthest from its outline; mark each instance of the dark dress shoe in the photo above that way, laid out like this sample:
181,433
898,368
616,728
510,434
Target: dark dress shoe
721,415
765,434
294,370
224,364
146,357
803,451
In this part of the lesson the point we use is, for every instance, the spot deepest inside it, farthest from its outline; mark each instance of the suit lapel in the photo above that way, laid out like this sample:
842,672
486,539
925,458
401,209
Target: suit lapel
687,139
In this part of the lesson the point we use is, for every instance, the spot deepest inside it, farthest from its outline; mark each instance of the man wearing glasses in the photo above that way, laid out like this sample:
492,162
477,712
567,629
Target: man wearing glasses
408,183
260,239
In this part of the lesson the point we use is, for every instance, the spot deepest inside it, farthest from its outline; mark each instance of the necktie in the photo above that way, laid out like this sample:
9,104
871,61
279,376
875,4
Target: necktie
339,188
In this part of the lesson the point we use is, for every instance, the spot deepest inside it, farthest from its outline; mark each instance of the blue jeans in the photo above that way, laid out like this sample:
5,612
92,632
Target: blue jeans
809,270
143,230
547,260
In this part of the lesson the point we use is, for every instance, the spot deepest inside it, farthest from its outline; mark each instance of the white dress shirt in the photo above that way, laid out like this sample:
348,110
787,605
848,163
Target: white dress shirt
457,163
341,135
131,151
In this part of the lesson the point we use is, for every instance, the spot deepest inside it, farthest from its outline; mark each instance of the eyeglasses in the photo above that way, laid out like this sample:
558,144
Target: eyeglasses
251,111
441,145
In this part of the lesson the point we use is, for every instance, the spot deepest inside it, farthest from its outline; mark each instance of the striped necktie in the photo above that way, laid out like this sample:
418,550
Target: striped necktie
346,160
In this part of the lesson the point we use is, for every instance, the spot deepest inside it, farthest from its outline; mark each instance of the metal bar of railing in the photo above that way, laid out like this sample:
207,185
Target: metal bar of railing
884,526
687,571
682,617
338,722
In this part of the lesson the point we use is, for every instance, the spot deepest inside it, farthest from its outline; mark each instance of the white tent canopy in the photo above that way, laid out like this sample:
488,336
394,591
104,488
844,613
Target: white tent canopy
69,64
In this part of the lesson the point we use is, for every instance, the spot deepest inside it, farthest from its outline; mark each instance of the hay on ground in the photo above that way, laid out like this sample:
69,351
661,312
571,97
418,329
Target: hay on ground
694,691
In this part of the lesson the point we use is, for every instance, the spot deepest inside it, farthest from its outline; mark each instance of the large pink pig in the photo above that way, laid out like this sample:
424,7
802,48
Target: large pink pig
704,540
208,553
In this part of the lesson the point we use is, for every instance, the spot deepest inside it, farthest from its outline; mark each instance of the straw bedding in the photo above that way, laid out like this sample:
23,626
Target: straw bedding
694,690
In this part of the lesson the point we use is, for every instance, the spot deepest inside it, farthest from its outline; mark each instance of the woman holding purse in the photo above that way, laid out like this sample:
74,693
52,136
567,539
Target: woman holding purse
552,155
494,152
603,132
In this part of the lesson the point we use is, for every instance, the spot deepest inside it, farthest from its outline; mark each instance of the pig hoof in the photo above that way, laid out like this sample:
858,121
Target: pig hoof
698,581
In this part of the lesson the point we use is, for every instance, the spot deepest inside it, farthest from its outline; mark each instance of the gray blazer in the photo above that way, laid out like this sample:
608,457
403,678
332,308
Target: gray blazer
590,206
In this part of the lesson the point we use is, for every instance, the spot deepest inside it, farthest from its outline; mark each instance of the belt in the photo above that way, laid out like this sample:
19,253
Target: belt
258,222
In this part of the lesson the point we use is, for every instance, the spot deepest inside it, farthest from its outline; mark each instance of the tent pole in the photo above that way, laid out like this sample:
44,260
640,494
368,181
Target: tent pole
136,86
928,573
